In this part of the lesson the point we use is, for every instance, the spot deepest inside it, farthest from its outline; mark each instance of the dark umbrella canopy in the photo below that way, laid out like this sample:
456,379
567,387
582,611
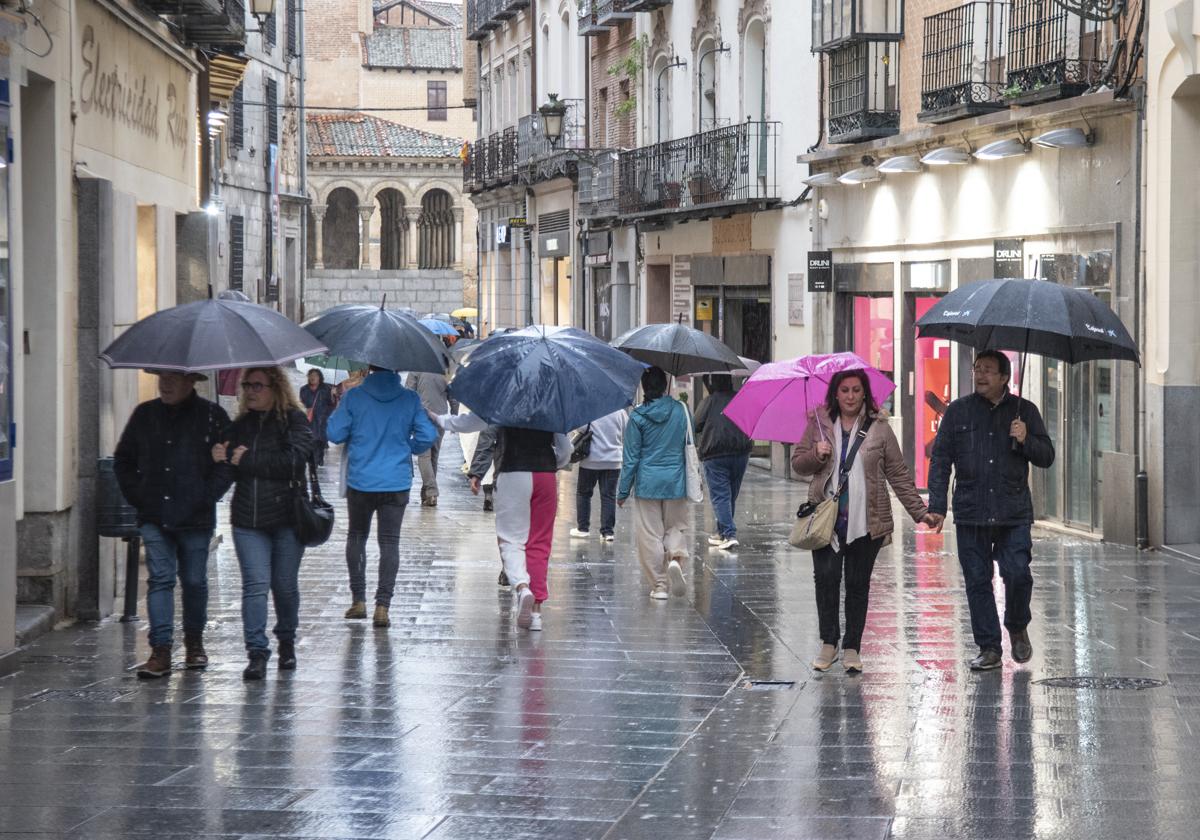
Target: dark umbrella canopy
381,337
678,349
550,378
211,335
1033,316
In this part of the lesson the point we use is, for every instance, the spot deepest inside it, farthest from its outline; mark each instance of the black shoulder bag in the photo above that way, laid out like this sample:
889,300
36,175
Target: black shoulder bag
313,515
581,445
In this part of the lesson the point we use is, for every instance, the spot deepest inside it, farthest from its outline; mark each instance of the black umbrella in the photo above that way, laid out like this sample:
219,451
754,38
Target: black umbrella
234,294
211,335
463,348
678,349
381,337
1030,316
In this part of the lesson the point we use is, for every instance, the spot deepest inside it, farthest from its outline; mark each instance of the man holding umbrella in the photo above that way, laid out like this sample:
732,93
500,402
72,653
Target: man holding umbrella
990,437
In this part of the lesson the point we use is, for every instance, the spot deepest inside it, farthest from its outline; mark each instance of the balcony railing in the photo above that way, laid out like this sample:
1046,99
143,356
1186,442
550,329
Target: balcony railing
491,161
863,101
713,170
589,20
840,22
181,8
1053,53
645,5
962,68
538,159
507,9
481,18
612,12
598,186
226,28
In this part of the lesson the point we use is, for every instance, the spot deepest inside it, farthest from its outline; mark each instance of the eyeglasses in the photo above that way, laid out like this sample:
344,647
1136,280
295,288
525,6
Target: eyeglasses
247,385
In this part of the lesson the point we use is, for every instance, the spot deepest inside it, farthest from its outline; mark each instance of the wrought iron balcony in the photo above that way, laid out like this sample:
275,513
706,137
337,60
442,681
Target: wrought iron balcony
506,9
227,28
962,68
612,12
840,22
181,8
481,18
539,159
598,191
1053,53
645,5
491,161
863,95
589,19
725,170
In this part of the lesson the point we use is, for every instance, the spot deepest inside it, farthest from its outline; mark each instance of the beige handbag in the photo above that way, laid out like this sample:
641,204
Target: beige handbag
815,520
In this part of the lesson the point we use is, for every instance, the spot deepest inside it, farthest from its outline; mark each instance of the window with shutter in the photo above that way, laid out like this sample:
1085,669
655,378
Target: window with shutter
436,96
237,239
272,111
237,119
269,30
292,23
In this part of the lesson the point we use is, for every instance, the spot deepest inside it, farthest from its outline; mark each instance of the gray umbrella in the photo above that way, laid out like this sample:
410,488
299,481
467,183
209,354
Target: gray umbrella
381,337
234,294
211,335
678,349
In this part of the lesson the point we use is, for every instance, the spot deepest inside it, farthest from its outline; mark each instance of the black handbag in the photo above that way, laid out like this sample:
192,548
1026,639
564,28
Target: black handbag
313,515
581,445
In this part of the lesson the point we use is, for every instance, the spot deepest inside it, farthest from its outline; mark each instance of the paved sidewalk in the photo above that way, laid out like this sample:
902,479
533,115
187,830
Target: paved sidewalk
626,718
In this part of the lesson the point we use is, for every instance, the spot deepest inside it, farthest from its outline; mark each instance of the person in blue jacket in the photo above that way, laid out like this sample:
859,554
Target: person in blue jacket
654,470
383,425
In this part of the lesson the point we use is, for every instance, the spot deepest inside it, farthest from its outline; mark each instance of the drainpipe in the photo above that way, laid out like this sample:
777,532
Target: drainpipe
1141,479
302,137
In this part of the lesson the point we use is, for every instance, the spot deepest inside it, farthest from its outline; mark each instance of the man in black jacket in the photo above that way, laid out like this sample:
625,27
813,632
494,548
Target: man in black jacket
990,438
724,450
164,465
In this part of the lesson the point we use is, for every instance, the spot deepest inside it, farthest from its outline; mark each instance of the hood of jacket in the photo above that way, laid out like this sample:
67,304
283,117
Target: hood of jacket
383,386
660,410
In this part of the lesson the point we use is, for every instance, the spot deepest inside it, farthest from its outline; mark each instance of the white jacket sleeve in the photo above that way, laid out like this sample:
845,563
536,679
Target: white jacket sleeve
562,450
461,422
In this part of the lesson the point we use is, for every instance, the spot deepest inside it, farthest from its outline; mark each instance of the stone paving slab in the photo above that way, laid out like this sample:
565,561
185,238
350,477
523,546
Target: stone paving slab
626,718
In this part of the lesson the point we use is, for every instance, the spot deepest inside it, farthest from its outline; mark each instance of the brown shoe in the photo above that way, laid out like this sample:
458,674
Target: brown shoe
158,665
1022,648
195,657
851,661
380,618
826,656
358,609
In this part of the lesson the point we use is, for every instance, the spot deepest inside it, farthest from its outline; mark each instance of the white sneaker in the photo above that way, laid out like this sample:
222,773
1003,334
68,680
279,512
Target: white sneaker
524,608
675,573
575,532
535,622
715,540
725,545
659,592
607,537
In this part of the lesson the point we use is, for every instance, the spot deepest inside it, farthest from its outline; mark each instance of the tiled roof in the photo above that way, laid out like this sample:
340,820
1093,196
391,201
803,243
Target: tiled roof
452,13
414,48
361,135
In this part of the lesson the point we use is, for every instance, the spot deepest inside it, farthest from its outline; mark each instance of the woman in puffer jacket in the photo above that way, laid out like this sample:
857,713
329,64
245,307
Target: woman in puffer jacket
267,448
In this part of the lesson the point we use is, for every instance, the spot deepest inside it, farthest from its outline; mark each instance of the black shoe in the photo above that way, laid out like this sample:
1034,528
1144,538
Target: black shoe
502,581
986,660
257,669
1022,648
287,656
488,506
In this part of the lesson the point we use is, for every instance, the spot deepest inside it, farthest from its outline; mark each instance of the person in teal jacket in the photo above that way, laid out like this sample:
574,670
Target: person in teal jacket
383,425
654,470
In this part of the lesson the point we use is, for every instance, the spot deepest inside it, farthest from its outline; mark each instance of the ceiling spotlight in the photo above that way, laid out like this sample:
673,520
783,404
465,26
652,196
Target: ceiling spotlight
1000,149
946,156
1065,138
900,163
821,179
862,175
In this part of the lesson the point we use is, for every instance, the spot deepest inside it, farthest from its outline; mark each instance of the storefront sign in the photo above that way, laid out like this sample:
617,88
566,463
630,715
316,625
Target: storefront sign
704,309
796,300
1008,258
681,290
820,271
518,222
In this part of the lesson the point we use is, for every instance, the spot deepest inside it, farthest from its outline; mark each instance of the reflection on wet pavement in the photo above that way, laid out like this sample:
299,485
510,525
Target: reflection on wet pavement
626,718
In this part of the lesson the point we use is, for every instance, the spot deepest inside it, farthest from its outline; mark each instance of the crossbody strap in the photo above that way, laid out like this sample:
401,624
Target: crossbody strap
858,441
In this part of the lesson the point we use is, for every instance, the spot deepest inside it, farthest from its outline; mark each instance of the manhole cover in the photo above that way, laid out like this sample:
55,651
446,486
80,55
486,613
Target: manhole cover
1101,683
90,695
768,685
56,659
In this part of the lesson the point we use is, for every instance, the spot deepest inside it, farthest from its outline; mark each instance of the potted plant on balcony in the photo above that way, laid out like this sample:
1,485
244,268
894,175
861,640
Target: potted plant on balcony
701,186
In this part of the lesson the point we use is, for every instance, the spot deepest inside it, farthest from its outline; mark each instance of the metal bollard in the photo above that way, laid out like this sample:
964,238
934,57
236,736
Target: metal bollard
133,546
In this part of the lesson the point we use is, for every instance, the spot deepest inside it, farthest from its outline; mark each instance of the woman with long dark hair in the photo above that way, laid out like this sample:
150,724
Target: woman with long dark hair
850,430
267,448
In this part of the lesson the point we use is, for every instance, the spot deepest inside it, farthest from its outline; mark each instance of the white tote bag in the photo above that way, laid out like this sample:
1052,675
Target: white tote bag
695,483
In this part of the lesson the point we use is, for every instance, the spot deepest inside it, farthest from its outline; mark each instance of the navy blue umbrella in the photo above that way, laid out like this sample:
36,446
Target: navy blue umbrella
550,378
382,337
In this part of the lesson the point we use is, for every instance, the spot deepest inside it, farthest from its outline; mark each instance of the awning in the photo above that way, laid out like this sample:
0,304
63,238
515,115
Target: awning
224,75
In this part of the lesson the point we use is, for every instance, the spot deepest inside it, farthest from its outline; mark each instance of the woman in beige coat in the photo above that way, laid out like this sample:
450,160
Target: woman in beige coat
864,521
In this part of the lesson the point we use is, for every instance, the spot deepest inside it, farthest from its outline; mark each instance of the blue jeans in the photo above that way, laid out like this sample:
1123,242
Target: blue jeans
1010,547
270,560
724,477
588,479
174,553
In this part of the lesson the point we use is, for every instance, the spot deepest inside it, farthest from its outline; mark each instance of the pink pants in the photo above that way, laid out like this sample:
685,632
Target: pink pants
526,504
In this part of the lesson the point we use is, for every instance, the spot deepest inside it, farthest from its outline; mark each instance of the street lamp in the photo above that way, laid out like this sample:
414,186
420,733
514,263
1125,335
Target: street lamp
262,9
552,118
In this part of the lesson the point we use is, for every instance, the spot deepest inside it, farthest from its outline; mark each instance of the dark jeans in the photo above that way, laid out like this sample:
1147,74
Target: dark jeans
588,479
362,507
174,553
859,560
724,476
270,560
1011,547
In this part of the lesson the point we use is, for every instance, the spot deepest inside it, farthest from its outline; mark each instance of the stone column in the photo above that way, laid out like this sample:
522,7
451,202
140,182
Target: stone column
457,260
412,240
365,211
318,236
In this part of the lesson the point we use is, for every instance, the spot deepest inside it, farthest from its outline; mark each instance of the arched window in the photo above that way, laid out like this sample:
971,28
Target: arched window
392,228
435,248
341,245
707,81
662,100
754,73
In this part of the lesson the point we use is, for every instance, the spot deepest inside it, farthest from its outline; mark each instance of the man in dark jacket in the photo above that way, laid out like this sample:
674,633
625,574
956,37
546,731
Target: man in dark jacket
165,469
724,450
990,438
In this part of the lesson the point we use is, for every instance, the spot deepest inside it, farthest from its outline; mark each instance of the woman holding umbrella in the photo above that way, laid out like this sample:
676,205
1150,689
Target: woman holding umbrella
266,449
851,453
318,400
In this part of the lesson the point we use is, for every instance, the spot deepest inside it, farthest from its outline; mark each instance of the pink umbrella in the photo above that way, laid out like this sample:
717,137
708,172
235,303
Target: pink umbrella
775,401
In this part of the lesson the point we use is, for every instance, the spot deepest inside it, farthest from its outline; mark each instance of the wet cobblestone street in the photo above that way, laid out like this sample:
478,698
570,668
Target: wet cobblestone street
626,718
